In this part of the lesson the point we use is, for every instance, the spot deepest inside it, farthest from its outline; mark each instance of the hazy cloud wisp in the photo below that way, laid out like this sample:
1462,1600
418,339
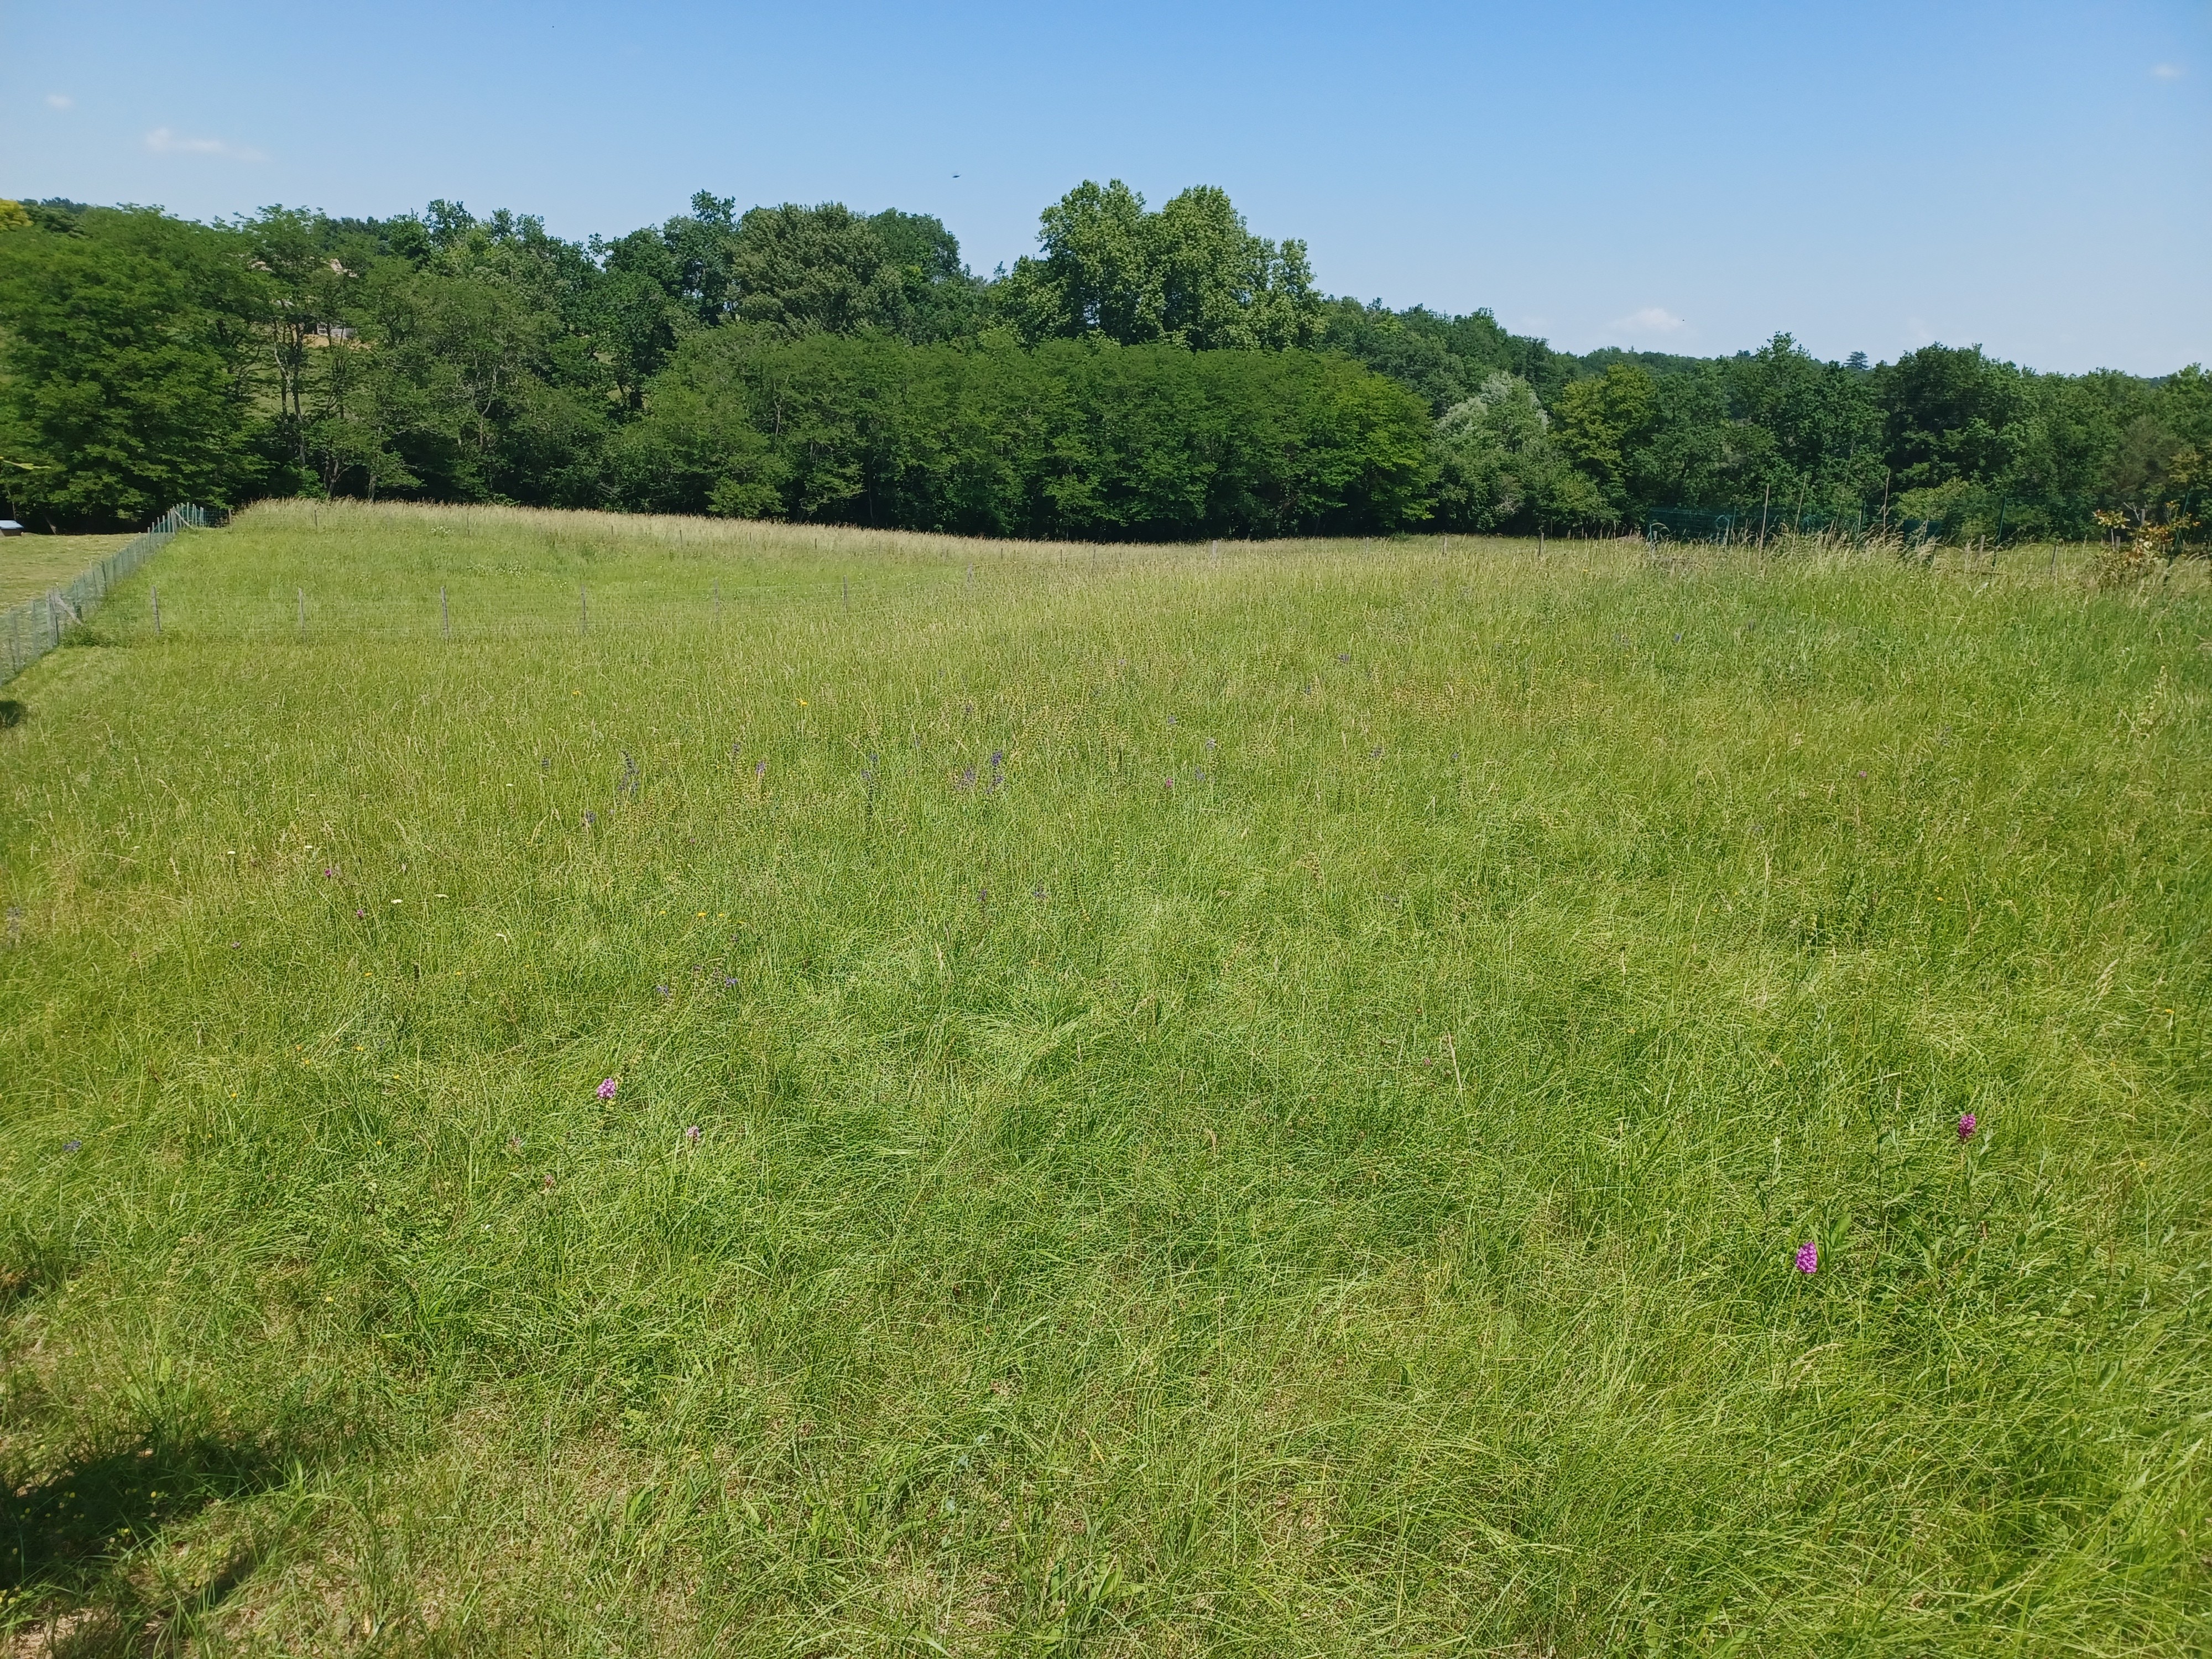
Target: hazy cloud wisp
1651,319
164,141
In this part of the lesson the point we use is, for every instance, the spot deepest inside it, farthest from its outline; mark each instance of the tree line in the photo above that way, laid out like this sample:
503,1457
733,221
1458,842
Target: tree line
1148,373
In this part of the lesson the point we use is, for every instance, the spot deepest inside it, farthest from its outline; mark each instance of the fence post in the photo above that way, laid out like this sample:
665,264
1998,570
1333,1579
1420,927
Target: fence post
155,593
302,592
584,599
445,616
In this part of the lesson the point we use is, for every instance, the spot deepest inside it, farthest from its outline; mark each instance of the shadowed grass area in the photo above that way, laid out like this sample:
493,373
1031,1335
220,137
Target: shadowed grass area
1163,1101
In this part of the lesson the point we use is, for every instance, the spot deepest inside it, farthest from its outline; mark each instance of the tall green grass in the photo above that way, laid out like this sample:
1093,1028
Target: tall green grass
1254,1102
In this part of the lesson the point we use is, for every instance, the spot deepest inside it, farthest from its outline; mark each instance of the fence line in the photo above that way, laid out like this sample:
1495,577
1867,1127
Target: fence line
29,630
1756,520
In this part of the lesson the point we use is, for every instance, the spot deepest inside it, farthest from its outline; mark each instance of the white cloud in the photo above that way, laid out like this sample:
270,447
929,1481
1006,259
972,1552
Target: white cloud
2167,72
163,141
1652,319
60,100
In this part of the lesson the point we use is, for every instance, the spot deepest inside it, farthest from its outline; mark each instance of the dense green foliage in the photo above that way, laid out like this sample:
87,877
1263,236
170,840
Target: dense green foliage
1068,440
143,359
1259,1105
1190,275
127,382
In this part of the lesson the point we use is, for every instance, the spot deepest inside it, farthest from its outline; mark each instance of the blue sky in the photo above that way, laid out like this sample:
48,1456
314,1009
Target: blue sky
2034,178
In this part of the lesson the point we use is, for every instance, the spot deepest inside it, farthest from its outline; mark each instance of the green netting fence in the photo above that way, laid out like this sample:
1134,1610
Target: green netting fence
29,630
2072,519
1733,525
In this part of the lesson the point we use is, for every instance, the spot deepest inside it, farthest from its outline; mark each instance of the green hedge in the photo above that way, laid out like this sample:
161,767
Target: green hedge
1067,439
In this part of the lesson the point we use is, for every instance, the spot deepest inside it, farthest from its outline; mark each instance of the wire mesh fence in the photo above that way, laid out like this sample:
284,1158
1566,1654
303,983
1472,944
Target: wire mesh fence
29,630
1990,519
1760,523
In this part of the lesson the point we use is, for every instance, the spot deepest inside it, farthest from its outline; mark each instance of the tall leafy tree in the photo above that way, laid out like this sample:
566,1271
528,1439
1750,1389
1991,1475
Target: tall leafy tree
807,270
1499,467
633,310
796,271
1599,424
941,299
1447,359
1948,414
127,378
1191,275
1815,429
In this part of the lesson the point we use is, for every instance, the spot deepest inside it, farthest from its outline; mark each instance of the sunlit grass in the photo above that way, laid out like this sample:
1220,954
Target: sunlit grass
29,565
1259,1100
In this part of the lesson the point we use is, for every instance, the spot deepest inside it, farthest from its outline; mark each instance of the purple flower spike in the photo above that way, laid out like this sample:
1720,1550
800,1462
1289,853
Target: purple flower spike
691,1134
1808,1257
606,1090
1966,1126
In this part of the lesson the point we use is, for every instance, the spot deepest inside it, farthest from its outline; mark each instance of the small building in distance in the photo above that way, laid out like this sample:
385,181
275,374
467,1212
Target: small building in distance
10,528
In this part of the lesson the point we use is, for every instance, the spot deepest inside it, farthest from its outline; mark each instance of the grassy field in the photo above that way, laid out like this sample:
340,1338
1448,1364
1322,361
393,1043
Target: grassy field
29,565
755,1090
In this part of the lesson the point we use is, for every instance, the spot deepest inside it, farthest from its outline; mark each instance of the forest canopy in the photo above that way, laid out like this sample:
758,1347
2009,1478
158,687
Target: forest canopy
1146,373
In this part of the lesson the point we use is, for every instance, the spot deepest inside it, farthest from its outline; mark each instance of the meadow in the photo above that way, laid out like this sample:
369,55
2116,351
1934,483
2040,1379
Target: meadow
29,565
597,1085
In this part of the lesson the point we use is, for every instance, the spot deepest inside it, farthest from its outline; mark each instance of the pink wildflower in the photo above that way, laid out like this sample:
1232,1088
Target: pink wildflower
606,1090
1808,1257
1966,1126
